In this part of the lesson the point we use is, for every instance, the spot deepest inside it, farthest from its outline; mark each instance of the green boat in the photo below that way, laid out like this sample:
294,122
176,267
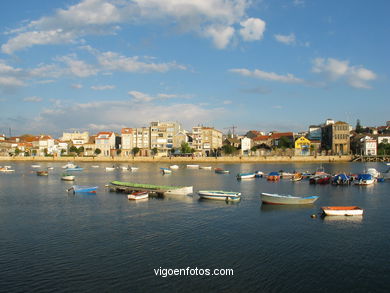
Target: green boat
167,189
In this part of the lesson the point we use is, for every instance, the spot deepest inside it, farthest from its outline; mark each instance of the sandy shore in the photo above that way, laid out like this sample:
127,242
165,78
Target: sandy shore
260,159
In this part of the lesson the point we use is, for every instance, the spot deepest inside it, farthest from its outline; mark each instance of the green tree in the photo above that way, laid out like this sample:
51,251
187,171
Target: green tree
285,143
63,152
135,151
73,149
228,149
185,148
98,151
17,152
154,151
118,152
34,152
80,150
26,154
359,128
383,149
45,151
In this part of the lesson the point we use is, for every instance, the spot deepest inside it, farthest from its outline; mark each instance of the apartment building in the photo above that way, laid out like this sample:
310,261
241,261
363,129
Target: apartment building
76,138
335,138
135,137
162,136
105,141
205,140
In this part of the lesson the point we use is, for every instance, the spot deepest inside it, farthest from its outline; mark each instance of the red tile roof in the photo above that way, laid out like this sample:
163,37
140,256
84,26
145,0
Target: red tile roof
261,137
278,135
126,130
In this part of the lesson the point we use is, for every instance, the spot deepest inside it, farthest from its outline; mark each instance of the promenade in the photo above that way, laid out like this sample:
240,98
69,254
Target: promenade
224,159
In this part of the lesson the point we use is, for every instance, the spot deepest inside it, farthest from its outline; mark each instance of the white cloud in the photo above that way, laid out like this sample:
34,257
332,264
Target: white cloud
204,17
77,86
78,67
253,29
145,98
288,78
102,87
333,69
10,76
33,99
286,39
299,2
227,102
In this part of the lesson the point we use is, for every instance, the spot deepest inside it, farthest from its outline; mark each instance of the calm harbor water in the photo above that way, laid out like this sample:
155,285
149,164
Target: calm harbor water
54,241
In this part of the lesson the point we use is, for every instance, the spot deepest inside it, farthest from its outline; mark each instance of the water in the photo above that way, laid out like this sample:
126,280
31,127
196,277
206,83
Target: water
52,241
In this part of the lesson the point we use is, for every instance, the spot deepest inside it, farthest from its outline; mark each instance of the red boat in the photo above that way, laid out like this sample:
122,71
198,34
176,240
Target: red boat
320,179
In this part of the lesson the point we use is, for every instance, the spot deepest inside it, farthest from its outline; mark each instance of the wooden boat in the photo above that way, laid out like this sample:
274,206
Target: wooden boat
138,195
174,167
35,166
220,195
342,211
246,176
259,174
320,179
67,177
341,179
205,167
297,177
270,198
76,168
166,170
6,169
110,168
221,171
179,190
132,168
273,176
83,189
42,173
365,179
193,166
94,166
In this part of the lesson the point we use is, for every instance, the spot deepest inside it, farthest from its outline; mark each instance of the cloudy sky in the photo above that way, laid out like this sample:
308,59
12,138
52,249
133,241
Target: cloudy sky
261,64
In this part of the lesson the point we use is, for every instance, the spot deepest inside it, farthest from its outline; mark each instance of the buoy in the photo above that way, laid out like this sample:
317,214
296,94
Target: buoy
313,216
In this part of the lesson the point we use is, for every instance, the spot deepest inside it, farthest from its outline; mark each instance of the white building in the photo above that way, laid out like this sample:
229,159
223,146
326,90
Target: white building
246,145
105,141
77,138
369,146
135,137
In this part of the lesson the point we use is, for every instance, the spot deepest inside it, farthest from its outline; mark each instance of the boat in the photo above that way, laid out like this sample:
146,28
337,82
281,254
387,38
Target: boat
183,190
220,195
320,179
205,167
373,172
341,179
133,169
365,179
6,169
286,175
50,168
273,176
386,174
67,177
297,177
35,166
124,168
193,166
221,171
246,175
138,195
273,198
94,166
110,168
83,189
342,211
69,165
76,168
42,173
259,174
174,167
166,170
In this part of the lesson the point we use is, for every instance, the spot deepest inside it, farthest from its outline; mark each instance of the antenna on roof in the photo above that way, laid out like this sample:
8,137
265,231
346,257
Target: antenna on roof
232,128
10,132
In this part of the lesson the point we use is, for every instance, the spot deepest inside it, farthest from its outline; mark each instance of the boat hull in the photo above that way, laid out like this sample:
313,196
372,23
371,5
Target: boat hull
138,196
219,195
342,211
277,199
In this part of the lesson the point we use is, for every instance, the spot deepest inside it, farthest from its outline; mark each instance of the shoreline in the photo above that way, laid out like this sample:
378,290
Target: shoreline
237,160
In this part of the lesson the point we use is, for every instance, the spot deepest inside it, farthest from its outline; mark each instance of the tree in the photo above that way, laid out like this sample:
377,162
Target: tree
17,152
73,149
118,152
98,151
63,151
135,151
359,128
80,150
228,149
34,152
185,148
284,143
154,151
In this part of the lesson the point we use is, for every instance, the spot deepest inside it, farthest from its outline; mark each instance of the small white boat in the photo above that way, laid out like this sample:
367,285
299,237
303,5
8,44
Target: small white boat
125,168
50,168
110,168
205,167
246,176
373,172
67,177
270,198
193,166
220,195
69,165
138,195
342,211
36,166
133,169
166,170
286,175
365,179
259,174
9,167
6,169
174,167
94,166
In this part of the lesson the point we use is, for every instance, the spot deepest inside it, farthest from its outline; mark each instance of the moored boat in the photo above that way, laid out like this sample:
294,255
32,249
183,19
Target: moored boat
95,166
35,166
297,177
246,175
342,211
166,170
220,195
205,167
282,199
83,189
132,168
221,171
259,174
42,173
341,179
320,179
6,169
365,179
69,165
174,167
273,176
67,177
373,172
76,168
110,168
193,166
183,190
138,195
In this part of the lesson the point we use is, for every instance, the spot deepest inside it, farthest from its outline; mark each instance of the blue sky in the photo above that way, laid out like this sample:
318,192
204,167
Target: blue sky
266,65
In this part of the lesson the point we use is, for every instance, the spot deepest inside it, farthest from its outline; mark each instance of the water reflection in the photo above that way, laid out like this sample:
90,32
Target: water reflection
273,208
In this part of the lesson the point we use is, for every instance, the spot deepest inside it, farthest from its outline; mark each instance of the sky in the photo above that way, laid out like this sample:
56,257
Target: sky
282,65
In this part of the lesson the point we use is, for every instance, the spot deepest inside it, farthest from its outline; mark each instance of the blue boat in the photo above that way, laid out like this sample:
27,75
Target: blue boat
83,189
246,175
75,169
341,179
166,170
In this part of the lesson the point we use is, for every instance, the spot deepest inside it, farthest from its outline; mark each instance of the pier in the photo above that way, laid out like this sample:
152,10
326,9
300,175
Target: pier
363,158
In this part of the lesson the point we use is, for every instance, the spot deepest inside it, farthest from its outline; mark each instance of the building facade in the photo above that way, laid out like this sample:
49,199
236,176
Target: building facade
206,140
105,141
335,138
162,136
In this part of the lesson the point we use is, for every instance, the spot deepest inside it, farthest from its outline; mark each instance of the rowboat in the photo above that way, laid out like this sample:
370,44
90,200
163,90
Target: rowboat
259,174
69,165
6,169
342,211
220,195
174,167
365,179
246,175
205,167
76,168
320,179
221,171
67,177
177,190
35,166
42,173
138,195
193,166
273,176
110,168
297,177
270,198
83,189
166,170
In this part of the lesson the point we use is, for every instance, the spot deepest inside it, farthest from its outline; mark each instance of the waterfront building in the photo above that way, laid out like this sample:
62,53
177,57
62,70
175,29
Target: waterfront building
383,138
206,140
2,137
135,137
161,136
315,132
368,146
302,146
335,138
77,138
106,141
278,137
246,145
